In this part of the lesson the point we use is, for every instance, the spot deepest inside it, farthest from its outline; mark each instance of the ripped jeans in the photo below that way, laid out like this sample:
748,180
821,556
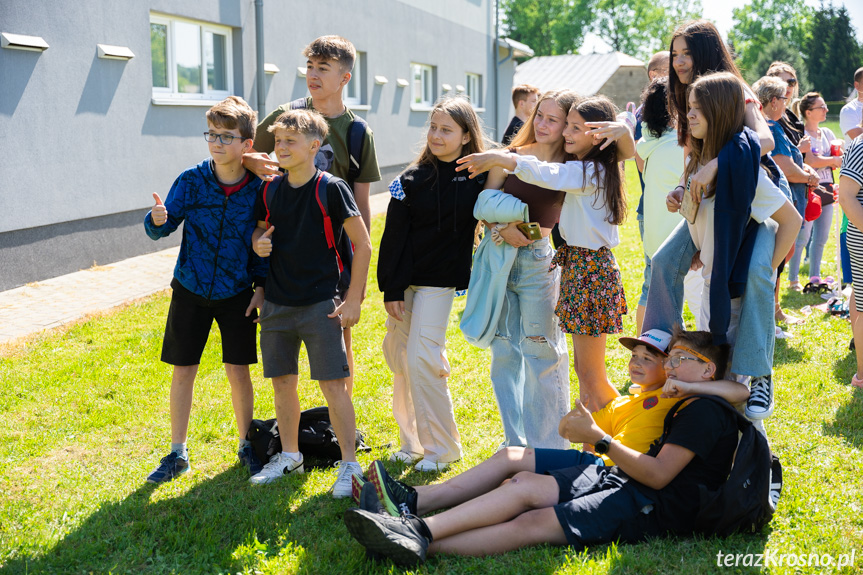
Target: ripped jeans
529,357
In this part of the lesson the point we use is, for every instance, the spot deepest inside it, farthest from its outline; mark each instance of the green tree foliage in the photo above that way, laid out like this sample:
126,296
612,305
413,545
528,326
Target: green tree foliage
778,49
760,22
641,27
832,52
549,27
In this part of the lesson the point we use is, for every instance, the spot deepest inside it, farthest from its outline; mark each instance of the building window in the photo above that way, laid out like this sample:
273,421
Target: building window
190,60
422,85
473,84
353,95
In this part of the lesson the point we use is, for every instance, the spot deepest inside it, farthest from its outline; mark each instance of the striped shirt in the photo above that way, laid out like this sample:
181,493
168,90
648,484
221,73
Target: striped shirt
852,163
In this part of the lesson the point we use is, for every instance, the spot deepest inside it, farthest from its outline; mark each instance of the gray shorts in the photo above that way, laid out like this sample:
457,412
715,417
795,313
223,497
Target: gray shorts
283,328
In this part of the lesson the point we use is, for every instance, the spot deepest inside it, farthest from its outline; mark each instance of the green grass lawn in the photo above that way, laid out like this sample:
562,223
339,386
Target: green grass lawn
85,419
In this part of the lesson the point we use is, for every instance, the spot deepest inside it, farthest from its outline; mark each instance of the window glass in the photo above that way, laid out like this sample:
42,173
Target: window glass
217,72
187,50
159,54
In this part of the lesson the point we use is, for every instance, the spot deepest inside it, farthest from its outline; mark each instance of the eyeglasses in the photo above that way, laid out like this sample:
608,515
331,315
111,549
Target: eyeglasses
675,360
226,139
791,82
820,108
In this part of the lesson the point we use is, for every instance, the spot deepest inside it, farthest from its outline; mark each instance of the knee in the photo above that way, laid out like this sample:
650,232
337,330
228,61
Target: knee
534,491
510,454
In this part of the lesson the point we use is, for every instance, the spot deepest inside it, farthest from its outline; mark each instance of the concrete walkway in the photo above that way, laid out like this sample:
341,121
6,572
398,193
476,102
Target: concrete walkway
51,303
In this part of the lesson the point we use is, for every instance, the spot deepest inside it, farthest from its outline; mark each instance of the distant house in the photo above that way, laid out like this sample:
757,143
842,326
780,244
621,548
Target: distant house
102,103
616,75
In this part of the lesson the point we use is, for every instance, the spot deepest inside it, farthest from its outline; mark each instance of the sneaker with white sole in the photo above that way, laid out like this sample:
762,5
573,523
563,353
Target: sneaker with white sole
760,403
406,457
426,464
343,485
277,467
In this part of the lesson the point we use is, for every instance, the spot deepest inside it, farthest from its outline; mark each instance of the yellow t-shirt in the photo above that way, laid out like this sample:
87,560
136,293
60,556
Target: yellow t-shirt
634,420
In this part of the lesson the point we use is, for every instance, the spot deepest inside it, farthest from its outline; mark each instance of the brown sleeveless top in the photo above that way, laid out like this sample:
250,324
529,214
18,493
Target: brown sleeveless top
543,204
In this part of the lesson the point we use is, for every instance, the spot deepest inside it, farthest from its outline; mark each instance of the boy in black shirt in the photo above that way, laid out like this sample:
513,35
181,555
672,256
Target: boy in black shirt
644,494
303,303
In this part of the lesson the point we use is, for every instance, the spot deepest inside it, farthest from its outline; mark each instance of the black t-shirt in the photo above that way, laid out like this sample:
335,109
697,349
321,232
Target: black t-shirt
514,125
303,270
710,432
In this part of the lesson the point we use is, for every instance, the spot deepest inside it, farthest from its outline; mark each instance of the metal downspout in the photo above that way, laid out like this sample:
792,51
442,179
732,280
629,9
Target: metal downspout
259,53
496,73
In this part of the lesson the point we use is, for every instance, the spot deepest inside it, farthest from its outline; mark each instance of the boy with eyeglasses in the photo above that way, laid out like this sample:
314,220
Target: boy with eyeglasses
217,276
643,494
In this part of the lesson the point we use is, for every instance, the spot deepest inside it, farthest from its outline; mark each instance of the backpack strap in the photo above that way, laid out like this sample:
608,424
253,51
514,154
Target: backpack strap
268,196
356,138
324,178
742,422
298,104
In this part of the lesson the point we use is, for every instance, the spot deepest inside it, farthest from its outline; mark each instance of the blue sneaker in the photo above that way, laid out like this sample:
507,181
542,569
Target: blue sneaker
170,467
249,460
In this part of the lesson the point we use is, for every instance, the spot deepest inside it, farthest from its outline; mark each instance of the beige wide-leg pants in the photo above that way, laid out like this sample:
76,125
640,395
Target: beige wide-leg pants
415,350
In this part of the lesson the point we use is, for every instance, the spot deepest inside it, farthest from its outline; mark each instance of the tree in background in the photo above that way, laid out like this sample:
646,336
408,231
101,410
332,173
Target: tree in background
549,27
778,49
760,23
641,27
832,52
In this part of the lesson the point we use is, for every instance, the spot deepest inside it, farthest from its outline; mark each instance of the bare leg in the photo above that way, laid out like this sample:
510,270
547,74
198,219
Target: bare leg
524,492
639,318
530,528
349,380
857,332
476,481
594,389
242,395
342,415
287,411
182,388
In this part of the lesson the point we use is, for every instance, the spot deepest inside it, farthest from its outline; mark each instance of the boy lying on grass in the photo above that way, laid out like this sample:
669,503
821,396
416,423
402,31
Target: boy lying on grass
642,494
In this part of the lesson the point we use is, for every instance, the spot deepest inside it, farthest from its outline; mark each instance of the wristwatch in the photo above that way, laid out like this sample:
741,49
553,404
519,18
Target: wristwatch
601,446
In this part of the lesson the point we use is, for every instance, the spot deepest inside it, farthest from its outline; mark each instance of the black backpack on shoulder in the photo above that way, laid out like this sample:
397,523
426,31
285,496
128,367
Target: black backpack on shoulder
745,503
317,440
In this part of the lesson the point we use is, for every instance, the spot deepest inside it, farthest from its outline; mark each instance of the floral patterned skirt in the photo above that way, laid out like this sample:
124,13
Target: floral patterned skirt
592,301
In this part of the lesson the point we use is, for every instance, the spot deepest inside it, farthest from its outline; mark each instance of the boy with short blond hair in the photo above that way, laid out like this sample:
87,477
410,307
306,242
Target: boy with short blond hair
524,99
303,303
348,151
216,277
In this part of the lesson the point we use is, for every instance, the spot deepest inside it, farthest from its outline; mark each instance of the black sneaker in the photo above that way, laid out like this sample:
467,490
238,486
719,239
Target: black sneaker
249,460
398,498
170,467
760,404
395,538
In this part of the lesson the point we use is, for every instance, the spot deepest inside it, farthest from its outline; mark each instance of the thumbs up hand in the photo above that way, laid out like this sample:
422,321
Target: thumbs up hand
263,246
159,213
578,426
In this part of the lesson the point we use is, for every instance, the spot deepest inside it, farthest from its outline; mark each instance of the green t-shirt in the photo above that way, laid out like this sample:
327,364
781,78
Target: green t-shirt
333,155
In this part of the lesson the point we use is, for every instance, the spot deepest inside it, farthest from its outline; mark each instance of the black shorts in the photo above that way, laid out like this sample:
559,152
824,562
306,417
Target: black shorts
599,505
188,327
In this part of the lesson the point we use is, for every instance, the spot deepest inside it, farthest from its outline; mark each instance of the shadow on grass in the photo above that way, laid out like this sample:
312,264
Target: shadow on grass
848,422
222,524
783,353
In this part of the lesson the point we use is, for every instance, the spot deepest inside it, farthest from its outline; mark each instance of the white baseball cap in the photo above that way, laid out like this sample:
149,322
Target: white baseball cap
655,339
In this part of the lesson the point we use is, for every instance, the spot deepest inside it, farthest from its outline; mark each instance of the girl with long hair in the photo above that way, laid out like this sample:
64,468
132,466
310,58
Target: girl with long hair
425,256
591,302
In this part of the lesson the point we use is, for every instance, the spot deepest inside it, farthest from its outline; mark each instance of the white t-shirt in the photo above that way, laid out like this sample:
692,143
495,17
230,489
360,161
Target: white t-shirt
849,118
821,147
768,199
583,216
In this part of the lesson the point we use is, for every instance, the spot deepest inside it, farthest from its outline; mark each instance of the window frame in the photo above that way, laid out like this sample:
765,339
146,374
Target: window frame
358,81
473,83
171,93
428,84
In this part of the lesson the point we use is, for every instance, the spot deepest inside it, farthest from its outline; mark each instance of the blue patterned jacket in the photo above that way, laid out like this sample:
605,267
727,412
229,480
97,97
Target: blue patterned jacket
216,260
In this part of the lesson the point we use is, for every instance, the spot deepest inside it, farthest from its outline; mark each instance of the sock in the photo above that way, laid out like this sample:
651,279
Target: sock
180,450
421,527
296,456
244,443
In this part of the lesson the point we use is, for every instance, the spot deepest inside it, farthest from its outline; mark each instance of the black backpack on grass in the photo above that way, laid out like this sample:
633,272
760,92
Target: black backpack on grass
745,503
317,440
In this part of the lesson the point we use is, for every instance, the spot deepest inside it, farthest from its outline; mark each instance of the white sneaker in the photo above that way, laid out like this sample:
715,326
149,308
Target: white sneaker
431,465
406,457
760,403
277,467
342,486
